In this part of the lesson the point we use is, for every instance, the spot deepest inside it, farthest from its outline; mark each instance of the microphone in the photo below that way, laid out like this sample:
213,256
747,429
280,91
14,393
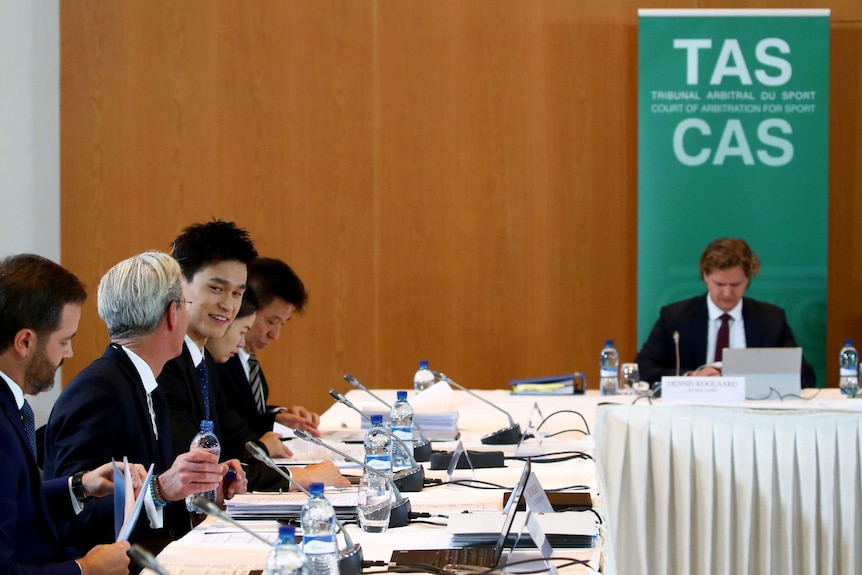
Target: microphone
207,507
508,435
421,449
406,481
349,558
145,559
400,514
676,349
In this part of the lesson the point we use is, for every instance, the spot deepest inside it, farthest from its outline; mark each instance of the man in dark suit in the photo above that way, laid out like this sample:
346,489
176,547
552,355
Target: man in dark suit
279,293
214,259
114,407
40,306
704,326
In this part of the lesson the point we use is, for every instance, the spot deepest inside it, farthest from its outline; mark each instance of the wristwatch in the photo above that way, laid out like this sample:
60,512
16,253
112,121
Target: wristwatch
78,487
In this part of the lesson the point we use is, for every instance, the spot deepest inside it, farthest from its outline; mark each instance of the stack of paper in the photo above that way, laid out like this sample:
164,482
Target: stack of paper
566,384
288,505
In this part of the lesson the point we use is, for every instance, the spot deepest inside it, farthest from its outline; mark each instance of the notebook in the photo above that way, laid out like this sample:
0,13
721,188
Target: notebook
478,556
769,372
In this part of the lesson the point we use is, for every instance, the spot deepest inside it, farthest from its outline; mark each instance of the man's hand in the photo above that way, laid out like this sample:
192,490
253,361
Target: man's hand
229,488
275,446
708,371
196,471
294,421
106,560
300,411
100,481
325,472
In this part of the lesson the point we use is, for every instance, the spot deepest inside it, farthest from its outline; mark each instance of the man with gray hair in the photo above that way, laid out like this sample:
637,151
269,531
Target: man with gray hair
114,407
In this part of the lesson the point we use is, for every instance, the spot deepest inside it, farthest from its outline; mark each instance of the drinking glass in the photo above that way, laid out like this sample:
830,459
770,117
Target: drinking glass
374,503
630,375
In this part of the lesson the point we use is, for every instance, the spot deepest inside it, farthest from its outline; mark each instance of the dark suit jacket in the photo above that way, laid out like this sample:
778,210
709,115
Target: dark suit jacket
765,326
236,388
180,383
103,414
29,541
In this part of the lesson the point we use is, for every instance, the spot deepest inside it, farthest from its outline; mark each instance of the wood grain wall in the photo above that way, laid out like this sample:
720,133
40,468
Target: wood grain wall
453,180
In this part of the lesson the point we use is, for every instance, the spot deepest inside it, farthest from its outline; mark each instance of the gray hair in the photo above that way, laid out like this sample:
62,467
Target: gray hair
134,295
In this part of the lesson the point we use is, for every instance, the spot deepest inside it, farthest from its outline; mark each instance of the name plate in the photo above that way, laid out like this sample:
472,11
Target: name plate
717,390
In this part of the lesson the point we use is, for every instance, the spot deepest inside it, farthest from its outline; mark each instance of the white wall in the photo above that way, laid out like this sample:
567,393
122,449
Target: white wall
30,137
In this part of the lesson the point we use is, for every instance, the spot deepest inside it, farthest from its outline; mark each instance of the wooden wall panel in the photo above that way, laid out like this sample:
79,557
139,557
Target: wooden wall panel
454,181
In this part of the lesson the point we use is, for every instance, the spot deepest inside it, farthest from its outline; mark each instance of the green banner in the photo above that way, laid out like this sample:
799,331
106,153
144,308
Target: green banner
733,141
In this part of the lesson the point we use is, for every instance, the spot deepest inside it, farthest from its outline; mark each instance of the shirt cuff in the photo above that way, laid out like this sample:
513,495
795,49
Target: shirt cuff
155,513
77,506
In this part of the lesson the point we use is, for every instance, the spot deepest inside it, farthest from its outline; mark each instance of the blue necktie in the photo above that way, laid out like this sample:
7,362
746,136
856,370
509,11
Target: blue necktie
203,376
29,421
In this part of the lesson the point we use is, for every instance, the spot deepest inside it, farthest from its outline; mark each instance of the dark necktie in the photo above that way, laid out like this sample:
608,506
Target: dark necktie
203,376
256,381
722,340
29,421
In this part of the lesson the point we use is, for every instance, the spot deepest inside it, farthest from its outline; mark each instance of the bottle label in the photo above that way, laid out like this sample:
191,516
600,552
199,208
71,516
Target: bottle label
608,372
848,371
381,463
405,434
318,544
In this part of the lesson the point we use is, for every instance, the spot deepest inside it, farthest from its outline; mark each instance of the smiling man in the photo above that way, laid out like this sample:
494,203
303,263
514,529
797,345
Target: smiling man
213,258
708,324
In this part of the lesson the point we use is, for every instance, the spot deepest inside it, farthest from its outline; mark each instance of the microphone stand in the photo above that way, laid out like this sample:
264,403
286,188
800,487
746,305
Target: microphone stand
422,448
349,558
400,514
411,480
145,559
508,435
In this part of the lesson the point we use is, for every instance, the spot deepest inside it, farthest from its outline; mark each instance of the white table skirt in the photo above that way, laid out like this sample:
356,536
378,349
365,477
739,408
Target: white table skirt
731,490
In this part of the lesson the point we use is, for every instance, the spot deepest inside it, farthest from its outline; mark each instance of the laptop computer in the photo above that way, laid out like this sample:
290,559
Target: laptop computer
479,556
769,372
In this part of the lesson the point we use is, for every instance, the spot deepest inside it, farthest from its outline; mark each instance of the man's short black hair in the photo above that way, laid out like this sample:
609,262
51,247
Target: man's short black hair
33,292
271,278
201,245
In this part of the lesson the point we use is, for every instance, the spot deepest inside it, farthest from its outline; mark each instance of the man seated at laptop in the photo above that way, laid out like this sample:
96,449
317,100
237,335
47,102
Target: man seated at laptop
707,324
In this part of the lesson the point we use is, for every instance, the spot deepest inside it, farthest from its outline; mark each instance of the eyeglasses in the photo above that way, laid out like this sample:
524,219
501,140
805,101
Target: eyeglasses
183,301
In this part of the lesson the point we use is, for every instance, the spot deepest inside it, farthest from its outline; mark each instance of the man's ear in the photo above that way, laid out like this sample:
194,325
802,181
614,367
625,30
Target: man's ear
171,315
24,343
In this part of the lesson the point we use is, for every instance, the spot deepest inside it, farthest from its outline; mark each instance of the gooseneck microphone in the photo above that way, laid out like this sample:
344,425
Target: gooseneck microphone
400,514
207,507
676,349
349,558
508,435
421,449
145,560
411,480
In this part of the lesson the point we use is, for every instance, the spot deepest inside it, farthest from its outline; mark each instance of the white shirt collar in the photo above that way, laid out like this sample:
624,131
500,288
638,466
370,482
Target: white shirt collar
197,354
15,388
243,361
144,370
716,312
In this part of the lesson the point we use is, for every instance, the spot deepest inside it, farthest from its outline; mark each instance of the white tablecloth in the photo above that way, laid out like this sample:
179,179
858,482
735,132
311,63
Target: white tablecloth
715,490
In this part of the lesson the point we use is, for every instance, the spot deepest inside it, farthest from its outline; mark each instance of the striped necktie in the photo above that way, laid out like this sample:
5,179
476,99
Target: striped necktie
29,421
722,339
255,379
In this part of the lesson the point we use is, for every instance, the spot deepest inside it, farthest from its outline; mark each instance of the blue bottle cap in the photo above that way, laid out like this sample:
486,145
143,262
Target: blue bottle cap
377,420
206,426
286,532
848,342
423,364
315,488
609,343
401,395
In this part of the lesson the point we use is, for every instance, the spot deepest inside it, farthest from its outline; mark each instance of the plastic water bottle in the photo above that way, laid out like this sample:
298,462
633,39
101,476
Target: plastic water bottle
609,381
286,557
206,440
377,454
423,378
401,424
849,372
318,533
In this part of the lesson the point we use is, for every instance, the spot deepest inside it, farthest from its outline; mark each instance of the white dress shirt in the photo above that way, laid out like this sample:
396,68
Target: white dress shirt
736,329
